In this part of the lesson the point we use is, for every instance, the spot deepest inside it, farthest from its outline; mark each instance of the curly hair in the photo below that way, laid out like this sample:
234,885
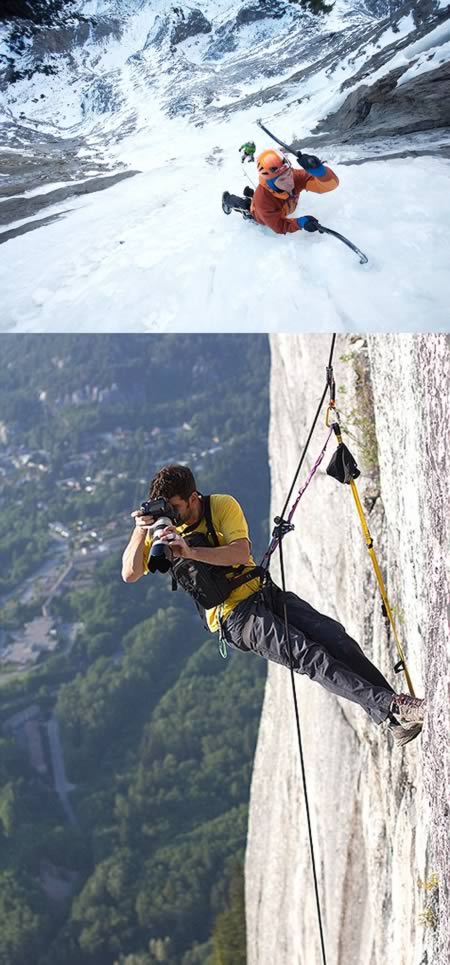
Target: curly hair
173,481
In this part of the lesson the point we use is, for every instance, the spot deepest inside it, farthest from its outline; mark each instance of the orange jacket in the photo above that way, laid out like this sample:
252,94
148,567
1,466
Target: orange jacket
272,209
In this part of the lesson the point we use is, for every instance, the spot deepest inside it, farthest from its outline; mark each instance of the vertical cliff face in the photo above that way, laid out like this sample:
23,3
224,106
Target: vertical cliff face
379,814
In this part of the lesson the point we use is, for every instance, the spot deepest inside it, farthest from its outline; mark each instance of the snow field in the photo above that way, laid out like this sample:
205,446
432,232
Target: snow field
155,253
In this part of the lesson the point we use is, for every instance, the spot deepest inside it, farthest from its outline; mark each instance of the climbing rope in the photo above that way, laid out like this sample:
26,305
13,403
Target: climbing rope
243,167
288,524
330,385
302,761
282,525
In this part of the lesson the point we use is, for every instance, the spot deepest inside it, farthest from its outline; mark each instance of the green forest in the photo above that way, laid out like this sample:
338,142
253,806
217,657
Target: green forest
142,861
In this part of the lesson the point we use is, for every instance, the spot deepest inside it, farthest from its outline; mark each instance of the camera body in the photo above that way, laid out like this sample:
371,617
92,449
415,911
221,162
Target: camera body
157,508
160,559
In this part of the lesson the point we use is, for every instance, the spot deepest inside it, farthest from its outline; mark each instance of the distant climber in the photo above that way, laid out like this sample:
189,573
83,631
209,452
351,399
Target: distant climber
279,189
207,548
247,151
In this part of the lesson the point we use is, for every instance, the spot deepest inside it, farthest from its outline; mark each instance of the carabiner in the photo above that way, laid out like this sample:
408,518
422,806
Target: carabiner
331,407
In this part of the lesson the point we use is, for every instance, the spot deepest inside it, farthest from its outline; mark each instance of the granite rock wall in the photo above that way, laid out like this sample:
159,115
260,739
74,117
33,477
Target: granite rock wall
379,814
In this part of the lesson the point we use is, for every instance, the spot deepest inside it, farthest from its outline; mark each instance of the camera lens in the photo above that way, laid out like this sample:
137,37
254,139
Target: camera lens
160,559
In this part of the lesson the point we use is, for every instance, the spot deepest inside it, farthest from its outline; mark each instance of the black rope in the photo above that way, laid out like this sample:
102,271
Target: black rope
319,407
331,387
302,762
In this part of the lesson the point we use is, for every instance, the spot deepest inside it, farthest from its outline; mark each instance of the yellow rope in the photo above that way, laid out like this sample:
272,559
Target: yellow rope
379,576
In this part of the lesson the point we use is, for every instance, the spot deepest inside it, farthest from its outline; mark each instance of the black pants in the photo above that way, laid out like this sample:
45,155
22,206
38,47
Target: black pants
321,648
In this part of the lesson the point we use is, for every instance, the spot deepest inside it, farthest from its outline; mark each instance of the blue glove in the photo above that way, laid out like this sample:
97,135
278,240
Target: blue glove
308,222
311,163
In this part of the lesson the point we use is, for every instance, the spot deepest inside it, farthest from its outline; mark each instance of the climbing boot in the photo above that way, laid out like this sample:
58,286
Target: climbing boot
403,735
232,202
407,710
226,206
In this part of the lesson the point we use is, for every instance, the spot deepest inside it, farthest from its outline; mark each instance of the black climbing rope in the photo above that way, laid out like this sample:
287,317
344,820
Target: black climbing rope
329,386
302,761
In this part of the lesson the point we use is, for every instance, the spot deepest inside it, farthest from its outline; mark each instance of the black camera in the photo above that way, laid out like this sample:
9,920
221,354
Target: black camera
160,559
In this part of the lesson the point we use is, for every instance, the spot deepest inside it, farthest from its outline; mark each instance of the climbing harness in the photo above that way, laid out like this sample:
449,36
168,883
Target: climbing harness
343,468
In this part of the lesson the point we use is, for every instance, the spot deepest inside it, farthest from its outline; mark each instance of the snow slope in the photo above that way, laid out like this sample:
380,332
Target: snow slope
143,257
155,252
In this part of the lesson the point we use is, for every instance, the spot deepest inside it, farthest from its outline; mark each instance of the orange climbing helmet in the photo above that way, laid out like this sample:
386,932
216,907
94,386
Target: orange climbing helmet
270,165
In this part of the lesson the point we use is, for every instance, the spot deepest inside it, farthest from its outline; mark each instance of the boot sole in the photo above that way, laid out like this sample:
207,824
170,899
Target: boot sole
403,735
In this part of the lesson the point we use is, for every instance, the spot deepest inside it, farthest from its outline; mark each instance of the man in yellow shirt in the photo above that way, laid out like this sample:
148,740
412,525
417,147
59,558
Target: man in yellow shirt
209,550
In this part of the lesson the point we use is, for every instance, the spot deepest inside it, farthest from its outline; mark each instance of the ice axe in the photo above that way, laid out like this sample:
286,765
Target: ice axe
277,139
363,259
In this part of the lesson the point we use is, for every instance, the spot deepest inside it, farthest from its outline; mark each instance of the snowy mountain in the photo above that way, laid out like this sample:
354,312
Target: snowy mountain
148,104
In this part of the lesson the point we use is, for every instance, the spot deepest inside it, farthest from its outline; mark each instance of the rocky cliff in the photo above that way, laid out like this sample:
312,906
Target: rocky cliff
379,814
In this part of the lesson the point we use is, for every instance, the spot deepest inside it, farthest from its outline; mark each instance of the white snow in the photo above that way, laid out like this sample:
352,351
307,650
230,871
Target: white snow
431,61
155,252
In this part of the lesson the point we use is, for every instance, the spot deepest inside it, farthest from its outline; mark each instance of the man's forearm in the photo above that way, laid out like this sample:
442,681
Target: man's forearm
133,557
234,554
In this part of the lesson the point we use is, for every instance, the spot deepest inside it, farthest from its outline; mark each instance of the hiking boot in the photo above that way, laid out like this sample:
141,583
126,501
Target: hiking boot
232,202
407,710
227,208
403,735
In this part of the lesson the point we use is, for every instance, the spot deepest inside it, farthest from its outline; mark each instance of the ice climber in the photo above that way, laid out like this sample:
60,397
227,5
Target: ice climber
207,548
279,189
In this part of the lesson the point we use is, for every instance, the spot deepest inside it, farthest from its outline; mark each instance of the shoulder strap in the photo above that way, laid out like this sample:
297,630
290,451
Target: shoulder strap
208,519
236,575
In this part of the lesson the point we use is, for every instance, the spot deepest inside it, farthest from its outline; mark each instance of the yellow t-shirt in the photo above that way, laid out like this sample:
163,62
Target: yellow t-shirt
230,524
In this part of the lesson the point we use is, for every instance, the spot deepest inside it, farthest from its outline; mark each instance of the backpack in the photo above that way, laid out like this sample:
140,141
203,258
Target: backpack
208,584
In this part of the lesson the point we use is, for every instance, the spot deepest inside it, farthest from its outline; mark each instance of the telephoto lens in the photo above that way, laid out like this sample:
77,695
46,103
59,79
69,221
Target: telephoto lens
160,560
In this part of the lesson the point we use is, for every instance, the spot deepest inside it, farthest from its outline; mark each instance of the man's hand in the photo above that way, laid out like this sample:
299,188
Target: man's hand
142,522
133,557
232,554
176,542
308,222
309,161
